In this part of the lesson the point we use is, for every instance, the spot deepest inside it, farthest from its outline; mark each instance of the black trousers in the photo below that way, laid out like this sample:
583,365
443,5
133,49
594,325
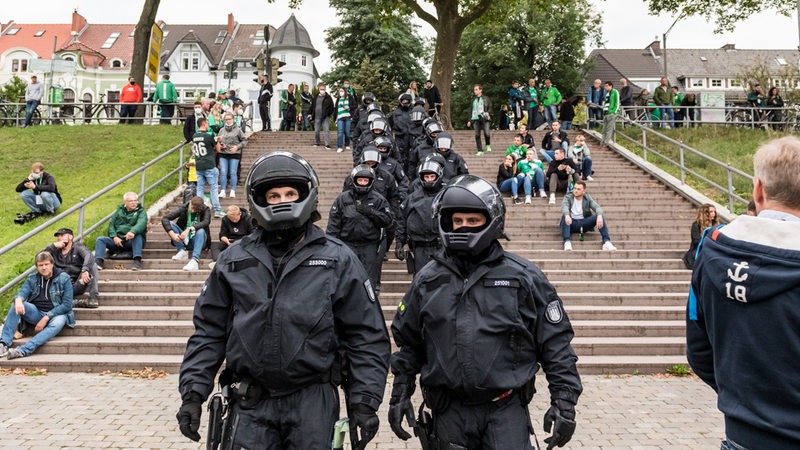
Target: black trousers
423,253
501,425
371,259
263,111
302,420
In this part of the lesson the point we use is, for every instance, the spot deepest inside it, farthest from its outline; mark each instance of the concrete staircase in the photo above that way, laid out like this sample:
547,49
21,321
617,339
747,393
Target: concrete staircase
627,307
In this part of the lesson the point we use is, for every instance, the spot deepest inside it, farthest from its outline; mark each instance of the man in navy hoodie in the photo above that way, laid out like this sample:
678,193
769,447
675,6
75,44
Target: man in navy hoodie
742,328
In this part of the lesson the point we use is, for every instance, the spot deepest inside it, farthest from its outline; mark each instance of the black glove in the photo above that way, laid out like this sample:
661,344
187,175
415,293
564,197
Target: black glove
363,209
400,408
189,415
399,253
561,418
366,419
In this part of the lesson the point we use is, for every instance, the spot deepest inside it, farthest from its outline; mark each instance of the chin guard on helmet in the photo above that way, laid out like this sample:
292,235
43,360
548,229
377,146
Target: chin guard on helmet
362,171
465,194
282,169
432,166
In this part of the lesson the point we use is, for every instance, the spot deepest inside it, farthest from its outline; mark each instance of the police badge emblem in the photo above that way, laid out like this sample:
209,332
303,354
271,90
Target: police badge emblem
554,314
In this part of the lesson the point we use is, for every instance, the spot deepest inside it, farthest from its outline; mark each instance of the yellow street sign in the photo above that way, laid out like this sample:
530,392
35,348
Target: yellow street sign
154,56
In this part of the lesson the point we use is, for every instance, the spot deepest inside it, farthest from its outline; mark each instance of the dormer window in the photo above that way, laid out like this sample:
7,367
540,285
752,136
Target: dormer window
110,41
12,31
116,64
221,37
258,39
39,33
780,61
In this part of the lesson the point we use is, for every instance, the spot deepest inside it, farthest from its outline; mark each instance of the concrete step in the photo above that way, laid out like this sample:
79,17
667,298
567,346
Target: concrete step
109,345
131,328
628,364
96,363
580,273
629,328
147,299
596,299
137,313
593,312
582,286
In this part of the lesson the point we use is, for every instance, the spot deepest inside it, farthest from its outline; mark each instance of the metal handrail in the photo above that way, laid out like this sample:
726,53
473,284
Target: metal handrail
80,207
735,115
728,191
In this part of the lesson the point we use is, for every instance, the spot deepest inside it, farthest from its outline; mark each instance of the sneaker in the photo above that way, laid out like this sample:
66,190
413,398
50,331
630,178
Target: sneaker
15,353
191,265
527,199
137,264
219,214
488,148
517,200
589,178
568,246
607,245
552,199
327,147
339,150
233,194
3,350
182,255
479,153
80,303
347,148
222,194
93,302
542,194
99,263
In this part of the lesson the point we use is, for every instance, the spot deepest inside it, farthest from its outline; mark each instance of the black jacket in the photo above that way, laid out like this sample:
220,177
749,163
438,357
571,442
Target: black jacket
284,329
47,183
432,96
487,332
180,215
400,121
78,259
547,140
504,173
327,107
562,174
417,223
265,93
353,227
238,230
384,184
454,165
421,148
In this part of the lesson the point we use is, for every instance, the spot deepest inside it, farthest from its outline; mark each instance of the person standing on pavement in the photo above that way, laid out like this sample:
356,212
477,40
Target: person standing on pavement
204,149
744,306
321,112
480,119
264,99
78,262
33,96
476,324
130,97
166,96
279,308
45,301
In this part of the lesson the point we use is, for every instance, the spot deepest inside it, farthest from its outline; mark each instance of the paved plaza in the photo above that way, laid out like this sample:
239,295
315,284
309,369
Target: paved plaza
77,411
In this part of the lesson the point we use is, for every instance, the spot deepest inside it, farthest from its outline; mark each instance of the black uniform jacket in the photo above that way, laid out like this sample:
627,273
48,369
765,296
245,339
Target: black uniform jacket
283,329
487,331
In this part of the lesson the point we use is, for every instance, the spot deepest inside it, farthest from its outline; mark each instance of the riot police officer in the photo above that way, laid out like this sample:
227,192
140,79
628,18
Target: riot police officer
278,308
476,324
423,146
400,123
454,163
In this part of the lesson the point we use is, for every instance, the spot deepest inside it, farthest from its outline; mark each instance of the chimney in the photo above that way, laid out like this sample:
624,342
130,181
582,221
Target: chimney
729,47
161,24
655,47
78,23
230,24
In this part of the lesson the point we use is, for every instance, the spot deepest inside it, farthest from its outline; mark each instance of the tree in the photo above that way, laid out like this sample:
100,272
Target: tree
785,78
367,44
513,42
13,90
141,44
726,13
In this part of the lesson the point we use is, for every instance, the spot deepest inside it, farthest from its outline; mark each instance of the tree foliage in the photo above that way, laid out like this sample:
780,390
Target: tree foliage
379,53
13,90
725,13
518,40
785,79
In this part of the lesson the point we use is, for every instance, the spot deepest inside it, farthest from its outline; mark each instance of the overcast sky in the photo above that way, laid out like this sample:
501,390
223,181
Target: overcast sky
626,22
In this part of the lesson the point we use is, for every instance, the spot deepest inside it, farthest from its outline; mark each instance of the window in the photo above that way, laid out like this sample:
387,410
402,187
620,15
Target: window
304,60
734,83
220,37
258,39
116,64
698,82
69,98
781,61
188,95
190,61
283,57
12,31
704,59
716,82
110,41
39,33
19,65
69,58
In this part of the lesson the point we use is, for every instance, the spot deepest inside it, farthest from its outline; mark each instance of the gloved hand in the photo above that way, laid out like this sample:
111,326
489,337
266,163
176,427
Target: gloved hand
189,415
561,418
399,252
363,209
400,408
366,419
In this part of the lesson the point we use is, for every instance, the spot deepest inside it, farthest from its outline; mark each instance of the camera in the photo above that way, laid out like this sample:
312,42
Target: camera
22,219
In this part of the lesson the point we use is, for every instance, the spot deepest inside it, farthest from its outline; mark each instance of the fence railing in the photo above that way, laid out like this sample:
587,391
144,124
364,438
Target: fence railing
80,207
786,118
13,114
677,158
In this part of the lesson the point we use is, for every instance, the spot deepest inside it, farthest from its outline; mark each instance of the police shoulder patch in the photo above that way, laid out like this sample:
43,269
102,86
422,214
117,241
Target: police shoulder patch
370,291
554,314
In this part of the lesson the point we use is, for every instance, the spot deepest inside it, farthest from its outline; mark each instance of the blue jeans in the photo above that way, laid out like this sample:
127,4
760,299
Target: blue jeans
306,125
196,243
50,201
538,178
512,185
343,132
586,167
33,316
550,114
549,155
30,107
587,223
595,115
566,125
211,177
135,245
667,113
728,444
228,169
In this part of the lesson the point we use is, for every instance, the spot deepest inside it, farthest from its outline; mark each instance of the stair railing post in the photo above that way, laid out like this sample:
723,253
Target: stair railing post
730,188
81,213
683,167
141,184
644,143
180,165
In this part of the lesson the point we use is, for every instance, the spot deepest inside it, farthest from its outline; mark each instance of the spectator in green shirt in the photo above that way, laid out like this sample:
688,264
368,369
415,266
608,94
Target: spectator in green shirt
166,96
677,99
663,99
551,99
610,111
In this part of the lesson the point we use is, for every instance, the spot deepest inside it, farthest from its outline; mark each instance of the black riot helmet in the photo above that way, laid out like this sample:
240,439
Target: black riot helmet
405,100
418,114
379,124
280,169
419,101
368,98
362,171
465,194
383,142
433,164
374,106
432,130
371,154
443,141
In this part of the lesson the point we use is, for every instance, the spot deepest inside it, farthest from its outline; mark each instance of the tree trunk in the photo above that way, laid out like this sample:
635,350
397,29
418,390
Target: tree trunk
141,46
444,62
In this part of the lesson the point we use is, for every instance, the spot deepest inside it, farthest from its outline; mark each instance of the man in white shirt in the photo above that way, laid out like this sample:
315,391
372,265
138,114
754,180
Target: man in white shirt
580,213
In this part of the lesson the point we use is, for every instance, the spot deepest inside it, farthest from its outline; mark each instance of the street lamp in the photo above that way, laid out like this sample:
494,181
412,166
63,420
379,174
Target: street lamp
680,16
